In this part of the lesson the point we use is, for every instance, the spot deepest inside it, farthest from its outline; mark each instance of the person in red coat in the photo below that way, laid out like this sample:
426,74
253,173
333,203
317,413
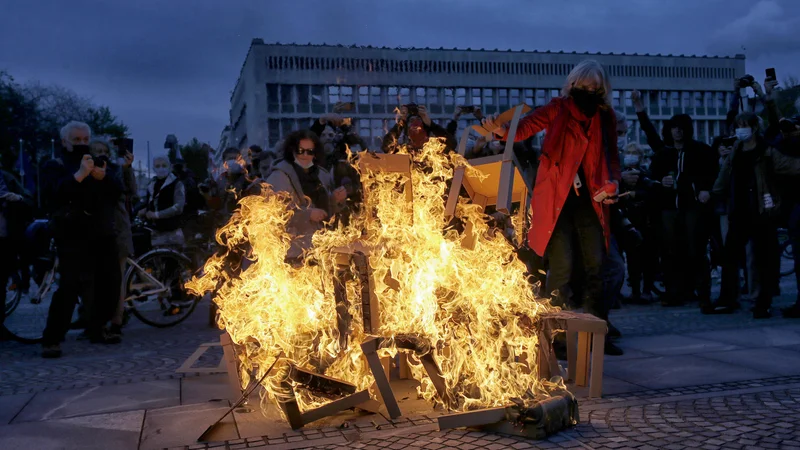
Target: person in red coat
578,178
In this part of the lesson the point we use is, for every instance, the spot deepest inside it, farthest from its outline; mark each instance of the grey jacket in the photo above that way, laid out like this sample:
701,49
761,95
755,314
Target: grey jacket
284,179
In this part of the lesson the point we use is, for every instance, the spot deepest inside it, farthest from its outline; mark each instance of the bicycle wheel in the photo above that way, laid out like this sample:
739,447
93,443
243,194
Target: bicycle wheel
13,294
28,322
154,288
787,259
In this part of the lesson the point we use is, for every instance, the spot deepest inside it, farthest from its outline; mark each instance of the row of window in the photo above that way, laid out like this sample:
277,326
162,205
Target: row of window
373,130
319,99
281,63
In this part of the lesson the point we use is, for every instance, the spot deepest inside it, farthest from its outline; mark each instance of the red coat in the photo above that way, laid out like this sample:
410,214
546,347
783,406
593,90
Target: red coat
571,140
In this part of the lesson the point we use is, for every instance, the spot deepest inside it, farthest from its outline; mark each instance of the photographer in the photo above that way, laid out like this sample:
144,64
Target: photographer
84,198
164,204
686,170
413,128
121,168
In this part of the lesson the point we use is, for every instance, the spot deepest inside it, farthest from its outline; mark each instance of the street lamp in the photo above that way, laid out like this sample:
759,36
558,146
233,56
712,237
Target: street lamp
21,163
52,149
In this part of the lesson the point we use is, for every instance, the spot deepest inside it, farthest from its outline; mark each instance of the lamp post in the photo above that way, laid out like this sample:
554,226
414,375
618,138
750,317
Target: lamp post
52,149
21,164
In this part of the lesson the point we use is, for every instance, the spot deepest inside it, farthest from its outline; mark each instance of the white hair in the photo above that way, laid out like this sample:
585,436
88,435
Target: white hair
588,71
103,140
73,125
163,156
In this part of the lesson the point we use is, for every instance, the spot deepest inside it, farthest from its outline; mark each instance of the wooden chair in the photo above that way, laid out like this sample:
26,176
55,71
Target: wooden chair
498,181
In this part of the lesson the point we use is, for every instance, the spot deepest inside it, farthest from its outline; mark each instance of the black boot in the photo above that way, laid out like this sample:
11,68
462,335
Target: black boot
612,350
613,332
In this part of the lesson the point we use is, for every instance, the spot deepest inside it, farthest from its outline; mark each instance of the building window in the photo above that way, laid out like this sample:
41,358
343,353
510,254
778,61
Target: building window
405,96
721,101
393,96
419,96
287,126
434,102
363,99
273,102
302,98
628,101
377,100
529,98
514,97
318,99
554,93
664,100
502,99
274,132
333,95
698,99
687,101
461,96
287,98
675,99
540,100
346,94
363,130
615,99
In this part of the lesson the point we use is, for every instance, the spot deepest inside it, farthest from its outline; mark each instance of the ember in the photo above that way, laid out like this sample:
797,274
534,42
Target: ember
467,310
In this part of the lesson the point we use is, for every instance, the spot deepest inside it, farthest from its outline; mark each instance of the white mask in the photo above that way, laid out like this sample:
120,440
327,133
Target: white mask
631,160
621,143
161,172
304,165
744,134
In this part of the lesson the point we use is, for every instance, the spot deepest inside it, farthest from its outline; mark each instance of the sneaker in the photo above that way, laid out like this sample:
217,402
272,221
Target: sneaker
612,350
114,330
51,351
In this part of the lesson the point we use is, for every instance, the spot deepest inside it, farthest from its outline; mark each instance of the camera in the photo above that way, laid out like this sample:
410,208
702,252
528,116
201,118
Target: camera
746,81
467,109
100,160
413,109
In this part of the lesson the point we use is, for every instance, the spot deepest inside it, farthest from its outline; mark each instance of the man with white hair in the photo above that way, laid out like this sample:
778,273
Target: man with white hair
82,200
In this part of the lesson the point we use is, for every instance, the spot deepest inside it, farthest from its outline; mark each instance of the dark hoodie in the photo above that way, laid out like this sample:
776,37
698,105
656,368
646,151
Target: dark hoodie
696,165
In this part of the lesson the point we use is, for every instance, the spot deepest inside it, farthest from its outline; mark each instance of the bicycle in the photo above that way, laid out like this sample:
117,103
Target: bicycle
787,253
153,293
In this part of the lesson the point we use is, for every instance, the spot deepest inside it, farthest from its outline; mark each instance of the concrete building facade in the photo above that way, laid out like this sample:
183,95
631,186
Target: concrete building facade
284,87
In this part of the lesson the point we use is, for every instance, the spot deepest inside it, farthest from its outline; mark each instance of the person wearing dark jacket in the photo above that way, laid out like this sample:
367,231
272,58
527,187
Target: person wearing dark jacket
164,205
84,197
414,129
686,170
748,183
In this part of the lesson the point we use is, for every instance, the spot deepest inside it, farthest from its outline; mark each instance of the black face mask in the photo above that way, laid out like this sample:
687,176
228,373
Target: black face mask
586,101
78,150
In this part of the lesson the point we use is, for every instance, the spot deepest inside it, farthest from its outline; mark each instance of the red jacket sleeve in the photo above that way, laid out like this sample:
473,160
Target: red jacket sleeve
540,119
613,152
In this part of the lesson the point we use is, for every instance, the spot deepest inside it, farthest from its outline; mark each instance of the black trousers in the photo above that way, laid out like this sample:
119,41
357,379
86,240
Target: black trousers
684,236
91,272
577,230
6,269
763,232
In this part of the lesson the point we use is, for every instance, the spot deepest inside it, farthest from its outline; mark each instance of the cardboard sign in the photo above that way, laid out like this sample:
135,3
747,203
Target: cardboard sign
502,119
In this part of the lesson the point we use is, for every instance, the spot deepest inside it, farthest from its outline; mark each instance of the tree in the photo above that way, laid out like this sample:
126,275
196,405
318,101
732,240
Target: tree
19,119
195,155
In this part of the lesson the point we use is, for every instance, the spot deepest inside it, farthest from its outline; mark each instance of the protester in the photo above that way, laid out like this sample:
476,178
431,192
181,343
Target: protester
122,168
8,258
575,184
413,128
164,204
310,186
686,169
85,198
747,182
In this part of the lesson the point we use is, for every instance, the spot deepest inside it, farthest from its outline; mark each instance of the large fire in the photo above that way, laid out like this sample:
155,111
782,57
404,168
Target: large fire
472,305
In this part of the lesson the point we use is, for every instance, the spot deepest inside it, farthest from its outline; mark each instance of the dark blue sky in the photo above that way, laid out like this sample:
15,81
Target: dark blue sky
168,66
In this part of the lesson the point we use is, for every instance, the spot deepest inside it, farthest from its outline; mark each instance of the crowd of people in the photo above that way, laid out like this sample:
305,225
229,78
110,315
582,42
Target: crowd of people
601,208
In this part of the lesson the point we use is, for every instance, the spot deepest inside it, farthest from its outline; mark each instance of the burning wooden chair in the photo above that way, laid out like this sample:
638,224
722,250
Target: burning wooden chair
496,180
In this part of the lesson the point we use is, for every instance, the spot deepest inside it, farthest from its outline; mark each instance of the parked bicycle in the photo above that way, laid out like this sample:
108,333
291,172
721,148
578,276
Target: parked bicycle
153,289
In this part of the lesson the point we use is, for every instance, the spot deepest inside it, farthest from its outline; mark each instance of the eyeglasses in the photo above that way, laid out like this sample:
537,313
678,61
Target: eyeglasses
304,151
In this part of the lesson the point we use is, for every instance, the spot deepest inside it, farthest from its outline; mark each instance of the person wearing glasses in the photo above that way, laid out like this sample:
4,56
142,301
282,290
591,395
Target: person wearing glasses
311,187
577,180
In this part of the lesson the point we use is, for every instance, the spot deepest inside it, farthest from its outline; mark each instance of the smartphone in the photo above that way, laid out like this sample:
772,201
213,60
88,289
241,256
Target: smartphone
728,141
771,74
